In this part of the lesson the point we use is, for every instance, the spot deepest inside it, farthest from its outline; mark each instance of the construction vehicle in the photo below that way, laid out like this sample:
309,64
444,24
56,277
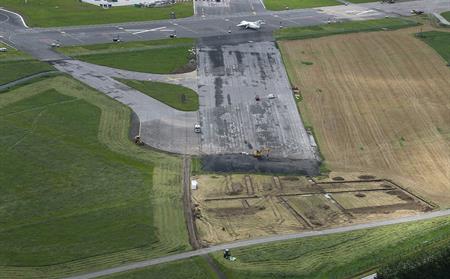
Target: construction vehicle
138,141
259,153
197,128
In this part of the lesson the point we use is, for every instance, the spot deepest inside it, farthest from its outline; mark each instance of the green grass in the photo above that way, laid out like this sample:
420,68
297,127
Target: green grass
16,64
196,268
13,70
440,41
160,56
446,15
296,33
336,256
12,54
51,13
80,195
176,96
278,5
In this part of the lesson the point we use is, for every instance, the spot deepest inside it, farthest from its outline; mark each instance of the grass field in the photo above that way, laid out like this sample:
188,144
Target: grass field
440,41
52,13
176,96
80,194
337,256
196,268
446,15
378,103
296,33
159,56
278,5
13,70
16,65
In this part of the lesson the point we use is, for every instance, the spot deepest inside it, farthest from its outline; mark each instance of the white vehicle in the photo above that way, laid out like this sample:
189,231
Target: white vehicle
3,49
255,25
55,45
271,96
197,128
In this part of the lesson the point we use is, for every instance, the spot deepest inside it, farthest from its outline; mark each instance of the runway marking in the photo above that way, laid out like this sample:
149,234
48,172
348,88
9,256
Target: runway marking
140,31
3,42
7,18
188,29
21,18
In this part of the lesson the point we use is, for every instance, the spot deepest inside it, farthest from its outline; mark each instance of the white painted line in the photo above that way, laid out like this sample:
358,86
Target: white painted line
21,18
365,12
3,42
262,3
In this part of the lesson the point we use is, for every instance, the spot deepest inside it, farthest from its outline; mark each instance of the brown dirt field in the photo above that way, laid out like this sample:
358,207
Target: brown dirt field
367,199
319,210
379,103
237,206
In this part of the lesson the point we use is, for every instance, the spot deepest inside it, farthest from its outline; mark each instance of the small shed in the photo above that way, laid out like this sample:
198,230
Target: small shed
194,184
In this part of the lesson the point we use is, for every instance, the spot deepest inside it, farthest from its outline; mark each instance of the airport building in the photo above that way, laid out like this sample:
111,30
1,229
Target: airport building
113,3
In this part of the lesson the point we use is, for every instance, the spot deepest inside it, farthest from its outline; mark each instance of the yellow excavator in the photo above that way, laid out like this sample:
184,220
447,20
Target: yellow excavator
259,153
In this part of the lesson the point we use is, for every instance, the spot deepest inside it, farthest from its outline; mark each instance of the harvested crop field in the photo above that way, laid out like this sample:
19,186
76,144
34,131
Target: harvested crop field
238,206
379,103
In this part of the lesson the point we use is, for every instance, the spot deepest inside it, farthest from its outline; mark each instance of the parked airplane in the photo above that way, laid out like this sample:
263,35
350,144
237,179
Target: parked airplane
251,25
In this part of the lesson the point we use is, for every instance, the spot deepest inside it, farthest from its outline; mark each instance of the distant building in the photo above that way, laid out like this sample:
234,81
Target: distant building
114,3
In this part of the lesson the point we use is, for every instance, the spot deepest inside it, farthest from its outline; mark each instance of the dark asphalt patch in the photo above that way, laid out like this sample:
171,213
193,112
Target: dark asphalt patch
218,95
248,163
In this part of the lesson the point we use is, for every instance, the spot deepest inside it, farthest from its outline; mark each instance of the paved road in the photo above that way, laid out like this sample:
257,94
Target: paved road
37,40
263,240
162,126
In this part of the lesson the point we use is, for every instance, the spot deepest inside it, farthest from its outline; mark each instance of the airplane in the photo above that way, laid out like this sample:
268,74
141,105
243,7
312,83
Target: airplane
255,25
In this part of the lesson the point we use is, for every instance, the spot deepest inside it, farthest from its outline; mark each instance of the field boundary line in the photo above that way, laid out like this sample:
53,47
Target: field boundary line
263,240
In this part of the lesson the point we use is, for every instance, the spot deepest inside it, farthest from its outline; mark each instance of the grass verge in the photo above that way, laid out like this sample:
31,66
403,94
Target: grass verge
176,96
297,33
278,5
53,13
80,194
439,41
16,65
159,56
336,256
446,15
196,268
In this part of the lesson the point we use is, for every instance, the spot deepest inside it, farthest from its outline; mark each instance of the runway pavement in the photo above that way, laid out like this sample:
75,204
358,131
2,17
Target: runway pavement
215,21
230,78
161,126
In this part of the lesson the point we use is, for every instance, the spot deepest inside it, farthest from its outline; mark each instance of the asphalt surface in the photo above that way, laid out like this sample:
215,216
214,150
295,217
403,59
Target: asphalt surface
233,99
230,77
214,22
256,241
162,126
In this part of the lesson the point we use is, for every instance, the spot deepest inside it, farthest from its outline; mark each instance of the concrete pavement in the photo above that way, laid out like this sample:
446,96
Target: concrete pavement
37,40
161,126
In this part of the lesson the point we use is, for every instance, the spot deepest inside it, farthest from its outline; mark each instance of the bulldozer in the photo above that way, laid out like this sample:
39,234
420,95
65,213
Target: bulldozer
259,153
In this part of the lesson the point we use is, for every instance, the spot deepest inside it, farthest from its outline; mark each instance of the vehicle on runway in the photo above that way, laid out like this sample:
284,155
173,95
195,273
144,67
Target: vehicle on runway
417,12
255,25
